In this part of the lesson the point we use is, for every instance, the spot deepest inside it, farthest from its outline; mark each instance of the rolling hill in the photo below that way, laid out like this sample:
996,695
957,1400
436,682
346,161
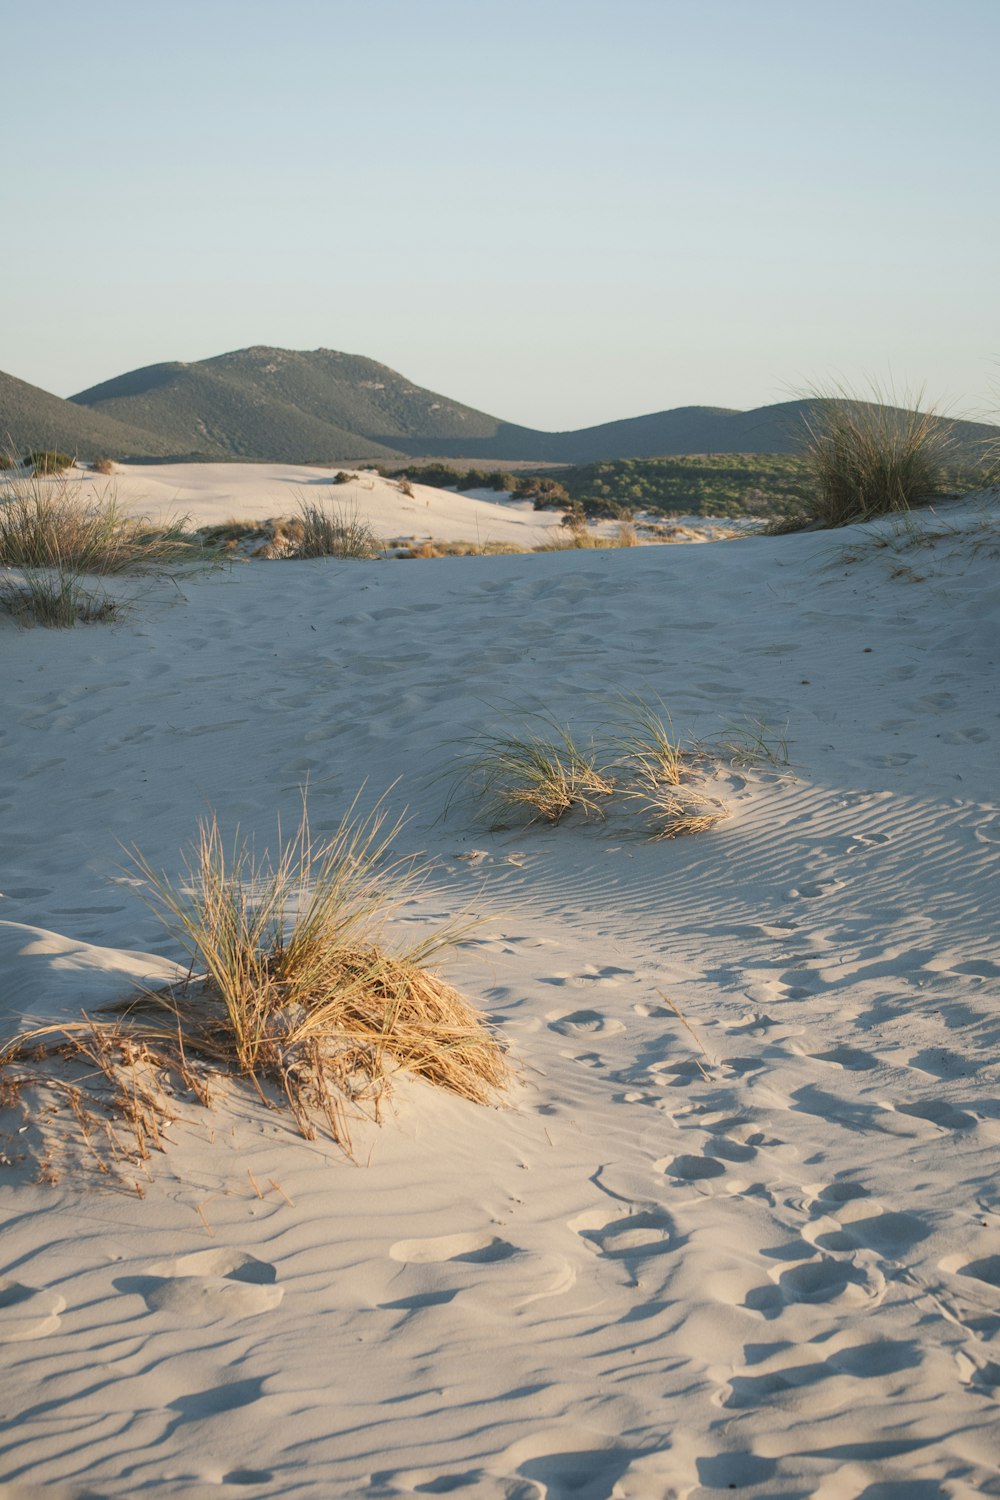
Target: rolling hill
280,405
31,418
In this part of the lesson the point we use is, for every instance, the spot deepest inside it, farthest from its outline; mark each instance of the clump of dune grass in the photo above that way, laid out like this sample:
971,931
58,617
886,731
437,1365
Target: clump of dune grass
333,531
294,988
647,744
56,599
540,773
869,458
671,812
47,523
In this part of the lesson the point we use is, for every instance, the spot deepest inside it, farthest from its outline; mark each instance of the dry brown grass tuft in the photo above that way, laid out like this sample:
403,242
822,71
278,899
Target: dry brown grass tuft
545,774
671,812
293,989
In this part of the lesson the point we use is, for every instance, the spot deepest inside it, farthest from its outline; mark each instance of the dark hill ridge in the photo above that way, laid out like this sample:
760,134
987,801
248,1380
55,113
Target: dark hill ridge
281,405
31,418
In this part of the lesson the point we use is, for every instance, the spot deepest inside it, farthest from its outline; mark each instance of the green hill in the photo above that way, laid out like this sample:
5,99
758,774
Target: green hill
280,405
231,407
32,418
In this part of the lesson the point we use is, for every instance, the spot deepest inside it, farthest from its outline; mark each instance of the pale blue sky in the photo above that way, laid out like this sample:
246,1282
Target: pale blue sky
561,211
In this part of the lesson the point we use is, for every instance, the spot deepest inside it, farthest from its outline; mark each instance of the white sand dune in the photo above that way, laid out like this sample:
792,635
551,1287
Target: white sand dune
210,494
769,1267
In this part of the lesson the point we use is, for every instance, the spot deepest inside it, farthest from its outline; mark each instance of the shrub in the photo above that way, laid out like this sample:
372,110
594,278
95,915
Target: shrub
867,458
47,461
548,494
103,466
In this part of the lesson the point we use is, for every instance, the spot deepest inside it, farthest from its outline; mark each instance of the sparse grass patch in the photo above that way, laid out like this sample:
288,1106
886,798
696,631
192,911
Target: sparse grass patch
907,533
55,599
751,743
294,989
579,539
543,773
462,549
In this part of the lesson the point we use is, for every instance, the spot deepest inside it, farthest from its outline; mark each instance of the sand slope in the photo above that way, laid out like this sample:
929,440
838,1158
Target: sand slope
779,1275
211,494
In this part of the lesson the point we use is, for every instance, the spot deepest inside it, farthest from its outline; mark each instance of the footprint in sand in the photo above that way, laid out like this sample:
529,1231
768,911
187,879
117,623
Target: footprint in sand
687,1168
811,890
579,1023
938,1112
835,1197
470,1249
820,1281
632,1240
609,974
850,1058
208,1285
27,1312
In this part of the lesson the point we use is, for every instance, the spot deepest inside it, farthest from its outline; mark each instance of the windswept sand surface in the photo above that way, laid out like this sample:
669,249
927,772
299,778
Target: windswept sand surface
779,1276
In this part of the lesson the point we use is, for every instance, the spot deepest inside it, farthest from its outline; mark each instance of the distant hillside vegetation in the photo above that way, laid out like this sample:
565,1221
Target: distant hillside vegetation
30,418
262,404
279,405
